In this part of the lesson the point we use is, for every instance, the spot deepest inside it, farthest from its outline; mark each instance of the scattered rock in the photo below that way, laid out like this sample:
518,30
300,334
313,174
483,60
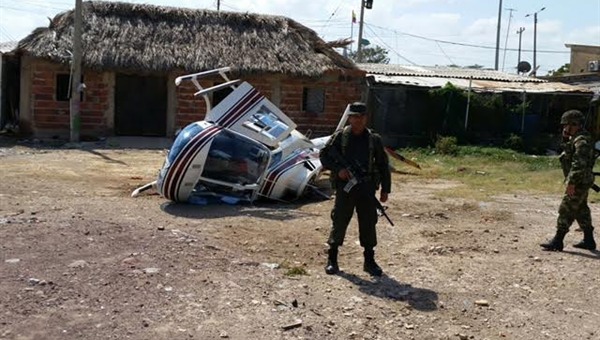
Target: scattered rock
292,325
78,264
482,303
270,265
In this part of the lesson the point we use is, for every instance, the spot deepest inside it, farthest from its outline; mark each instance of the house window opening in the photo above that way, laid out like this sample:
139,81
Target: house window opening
63,88
313,100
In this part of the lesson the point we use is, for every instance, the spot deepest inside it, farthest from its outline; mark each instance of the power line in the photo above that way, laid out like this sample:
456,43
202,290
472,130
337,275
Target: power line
463,44
440,46
507,30
331,16
8,35
389,47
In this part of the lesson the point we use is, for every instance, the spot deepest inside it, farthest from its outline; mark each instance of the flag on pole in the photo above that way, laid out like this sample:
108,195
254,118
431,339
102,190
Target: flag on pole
353,17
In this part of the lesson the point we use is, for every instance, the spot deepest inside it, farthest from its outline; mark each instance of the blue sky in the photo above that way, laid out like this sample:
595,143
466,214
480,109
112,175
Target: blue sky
422,32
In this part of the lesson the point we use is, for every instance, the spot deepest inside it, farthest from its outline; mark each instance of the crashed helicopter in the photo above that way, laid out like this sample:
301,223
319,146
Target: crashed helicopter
246,148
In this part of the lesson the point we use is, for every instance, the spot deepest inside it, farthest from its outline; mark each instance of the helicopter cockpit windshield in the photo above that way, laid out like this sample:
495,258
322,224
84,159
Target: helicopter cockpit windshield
233,158
183,139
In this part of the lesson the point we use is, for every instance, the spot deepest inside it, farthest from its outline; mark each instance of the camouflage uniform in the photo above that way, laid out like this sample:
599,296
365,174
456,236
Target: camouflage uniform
345,148
345,203
577,163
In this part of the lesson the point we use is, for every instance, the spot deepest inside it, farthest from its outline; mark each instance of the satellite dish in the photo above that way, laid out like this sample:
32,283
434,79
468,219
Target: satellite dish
523,67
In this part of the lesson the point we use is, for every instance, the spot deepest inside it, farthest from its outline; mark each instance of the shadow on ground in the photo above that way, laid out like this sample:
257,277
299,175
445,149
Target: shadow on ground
270,211
386,287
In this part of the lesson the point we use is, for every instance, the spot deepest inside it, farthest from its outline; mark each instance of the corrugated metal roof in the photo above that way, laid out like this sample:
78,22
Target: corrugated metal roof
590,85
444,72
479,85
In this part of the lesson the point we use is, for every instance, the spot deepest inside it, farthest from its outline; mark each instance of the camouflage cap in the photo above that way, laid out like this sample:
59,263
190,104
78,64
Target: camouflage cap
572,117
357,109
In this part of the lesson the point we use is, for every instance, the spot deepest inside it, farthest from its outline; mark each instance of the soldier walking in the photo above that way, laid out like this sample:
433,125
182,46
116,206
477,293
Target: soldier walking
577,162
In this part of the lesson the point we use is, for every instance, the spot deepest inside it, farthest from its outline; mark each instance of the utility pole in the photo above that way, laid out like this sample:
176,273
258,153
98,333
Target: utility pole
76,87
520,33
363,4
498,35
360,31
506,40
218,5
535,38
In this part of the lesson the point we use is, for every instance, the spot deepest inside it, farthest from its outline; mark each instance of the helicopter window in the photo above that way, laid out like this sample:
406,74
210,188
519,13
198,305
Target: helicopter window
275,159
235,159
265,122
183,137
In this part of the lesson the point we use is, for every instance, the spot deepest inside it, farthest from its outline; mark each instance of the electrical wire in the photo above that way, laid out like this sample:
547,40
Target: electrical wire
331,16
441,49
388,46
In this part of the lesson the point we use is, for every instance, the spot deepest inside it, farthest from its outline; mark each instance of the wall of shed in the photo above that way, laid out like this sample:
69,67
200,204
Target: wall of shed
581,56
408,116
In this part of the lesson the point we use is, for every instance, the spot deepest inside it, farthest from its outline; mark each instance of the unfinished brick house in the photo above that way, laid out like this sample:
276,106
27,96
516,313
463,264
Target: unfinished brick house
132,54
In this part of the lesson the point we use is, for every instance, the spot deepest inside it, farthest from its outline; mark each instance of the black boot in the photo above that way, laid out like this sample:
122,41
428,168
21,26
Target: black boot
332,264
588,240
371,266
556,244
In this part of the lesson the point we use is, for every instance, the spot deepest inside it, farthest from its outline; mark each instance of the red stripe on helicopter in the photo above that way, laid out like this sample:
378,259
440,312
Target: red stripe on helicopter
279,170
241,107
198,148
238,111
177,170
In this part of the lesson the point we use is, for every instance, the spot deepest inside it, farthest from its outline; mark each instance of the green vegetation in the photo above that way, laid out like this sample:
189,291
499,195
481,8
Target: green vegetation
373,55
291,270
484,171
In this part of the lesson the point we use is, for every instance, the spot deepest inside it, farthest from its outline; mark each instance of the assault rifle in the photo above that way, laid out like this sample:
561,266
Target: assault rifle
564,166
595,186
358,177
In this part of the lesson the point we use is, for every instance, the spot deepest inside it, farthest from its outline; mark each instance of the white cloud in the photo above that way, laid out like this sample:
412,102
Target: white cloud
584,36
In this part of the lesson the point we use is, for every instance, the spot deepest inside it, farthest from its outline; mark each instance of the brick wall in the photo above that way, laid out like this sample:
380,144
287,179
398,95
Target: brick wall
52,117
339,91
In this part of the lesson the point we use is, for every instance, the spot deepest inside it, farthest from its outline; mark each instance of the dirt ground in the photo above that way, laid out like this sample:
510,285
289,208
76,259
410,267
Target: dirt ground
81,259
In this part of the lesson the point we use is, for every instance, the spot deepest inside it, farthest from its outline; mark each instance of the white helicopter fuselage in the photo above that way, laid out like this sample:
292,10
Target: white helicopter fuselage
244,149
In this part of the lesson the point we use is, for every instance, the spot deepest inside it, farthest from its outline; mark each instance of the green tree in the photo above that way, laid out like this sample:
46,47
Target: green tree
560,71
375,55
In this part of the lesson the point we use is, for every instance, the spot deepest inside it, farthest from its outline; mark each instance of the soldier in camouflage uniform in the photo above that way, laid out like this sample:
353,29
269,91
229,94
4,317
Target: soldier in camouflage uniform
356,144
577,161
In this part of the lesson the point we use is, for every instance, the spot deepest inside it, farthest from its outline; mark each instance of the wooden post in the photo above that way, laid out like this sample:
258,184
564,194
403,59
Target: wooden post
76,87
468,102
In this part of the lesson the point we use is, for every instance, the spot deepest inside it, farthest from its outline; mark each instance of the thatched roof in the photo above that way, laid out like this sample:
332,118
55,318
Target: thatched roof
146,38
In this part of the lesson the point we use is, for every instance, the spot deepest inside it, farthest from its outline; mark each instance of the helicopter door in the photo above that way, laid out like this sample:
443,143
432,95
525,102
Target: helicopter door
251,114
